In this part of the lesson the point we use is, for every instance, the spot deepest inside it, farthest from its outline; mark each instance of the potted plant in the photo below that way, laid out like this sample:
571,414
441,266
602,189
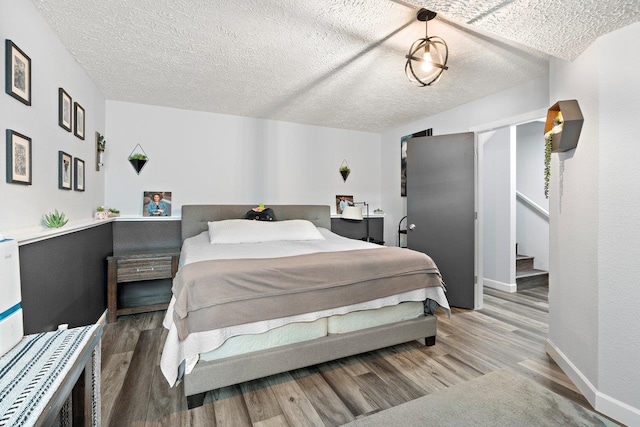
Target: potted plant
113,212
138,161
101,213
345,171
101,145
548,147
54,219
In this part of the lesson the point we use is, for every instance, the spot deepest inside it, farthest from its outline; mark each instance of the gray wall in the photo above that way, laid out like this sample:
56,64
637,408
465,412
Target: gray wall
64,279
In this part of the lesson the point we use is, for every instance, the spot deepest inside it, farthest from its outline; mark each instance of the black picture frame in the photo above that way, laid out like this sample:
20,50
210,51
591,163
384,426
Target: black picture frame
17,73
65,176
19,158
78,128
65,110
78,174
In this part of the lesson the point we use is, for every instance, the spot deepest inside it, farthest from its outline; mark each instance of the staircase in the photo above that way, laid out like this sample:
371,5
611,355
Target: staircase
528,277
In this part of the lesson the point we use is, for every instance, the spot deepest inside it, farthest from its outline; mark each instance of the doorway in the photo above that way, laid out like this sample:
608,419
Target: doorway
514,210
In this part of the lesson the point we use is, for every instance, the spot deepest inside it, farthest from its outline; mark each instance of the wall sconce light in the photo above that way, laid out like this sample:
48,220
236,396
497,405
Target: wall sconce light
427,57
345,170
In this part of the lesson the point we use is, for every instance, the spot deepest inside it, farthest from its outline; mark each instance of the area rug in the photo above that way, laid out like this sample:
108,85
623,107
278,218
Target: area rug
500,398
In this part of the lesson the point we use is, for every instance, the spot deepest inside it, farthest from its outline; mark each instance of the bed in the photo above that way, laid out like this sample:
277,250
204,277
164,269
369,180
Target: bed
221,335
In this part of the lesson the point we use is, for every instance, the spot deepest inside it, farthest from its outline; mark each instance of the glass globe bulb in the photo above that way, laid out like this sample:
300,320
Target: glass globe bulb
427,61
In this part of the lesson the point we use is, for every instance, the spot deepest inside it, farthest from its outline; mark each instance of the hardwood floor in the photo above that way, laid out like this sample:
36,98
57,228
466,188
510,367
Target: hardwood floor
509,332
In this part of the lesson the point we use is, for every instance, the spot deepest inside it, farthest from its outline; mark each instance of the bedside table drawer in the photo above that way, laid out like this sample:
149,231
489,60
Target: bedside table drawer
131,270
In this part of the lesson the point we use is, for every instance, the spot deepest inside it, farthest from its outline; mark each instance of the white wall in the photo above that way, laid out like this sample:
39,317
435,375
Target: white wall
619,231
216,158
52,67
532,229
498,204
522,99
595,204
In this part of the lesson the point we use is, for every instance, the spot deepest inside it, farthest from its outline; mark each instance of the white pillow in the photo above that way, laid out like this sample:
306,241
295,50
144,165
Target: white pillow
247,231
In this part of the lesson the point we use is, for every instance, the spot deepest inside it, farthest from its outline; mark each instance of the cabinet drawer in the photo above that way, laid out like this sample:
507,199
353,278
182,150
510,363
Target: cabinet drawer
131,270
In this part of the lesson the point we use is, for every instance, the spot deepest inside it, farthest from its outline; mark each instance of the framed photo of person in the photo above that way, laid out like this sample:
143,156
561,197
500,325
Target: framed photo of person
78,129
78,170
342,201
64,110
156,203
18,158
64,171
18,73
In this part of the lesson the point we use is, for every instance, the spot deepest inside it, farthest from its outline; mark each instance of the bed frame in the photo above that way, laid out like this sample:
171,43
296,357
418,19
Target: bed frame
219,373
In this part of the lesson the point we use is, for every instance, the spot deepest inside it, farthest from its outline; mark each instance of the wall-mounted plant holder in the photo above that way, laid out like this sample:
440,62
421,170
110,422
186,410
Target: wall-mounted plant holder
101,146
345,170
138,159
567,138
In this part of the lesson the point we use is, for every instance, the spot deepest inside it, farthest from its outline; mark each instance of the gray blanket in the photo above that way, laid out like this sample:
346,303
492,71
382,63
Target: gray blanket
221,293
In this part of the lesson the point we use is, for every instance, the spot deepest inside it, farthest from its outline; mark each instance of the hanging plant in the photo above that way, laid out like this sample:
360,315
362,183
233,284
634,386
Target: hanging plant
548,146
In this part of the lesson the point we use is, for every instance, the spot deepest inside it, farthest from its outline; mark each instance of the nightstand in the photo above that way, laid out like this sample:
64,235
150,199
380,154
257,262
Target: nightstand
134,266
358,229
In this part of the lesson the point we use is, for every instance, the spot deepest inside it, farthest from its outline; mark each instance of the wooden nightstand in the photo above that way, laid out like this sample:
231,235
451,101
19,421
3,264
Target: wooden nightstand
134,266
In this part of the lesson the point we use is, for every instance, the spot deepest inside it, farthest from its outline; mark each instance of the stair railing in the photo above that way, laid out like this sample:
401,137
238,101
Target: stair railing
533,205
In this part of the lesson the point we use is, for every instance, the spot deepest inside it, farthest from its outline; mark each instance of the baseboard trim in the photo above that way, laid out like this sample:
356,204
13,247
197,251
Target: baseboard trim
601,402
501,286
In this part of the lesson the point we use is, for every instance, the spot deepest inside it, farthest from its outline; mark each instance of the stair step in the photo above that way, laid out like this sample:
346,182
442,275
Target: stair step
531,278
524,262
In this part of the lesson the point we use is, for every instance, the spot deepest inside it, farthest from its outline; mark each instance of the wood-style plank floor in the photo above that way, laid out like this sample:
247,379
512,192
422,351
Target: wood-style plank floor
509,332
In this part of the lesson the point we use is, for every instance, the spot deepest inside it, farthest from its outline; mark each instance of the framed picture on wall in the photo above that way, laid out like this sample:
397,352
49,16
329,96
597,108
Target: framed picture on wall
64,171
64,110
18,73
18,158
403,157
156,203
78,129
78,169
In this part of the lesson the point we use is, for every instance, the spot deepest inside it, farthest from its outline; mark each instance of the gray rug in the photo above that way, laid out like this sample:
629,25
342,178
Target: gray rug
500,398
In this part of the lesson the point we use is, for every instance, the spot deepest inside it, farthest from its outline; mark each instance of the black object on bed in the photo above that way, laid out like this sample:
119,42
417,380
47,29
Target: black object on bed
261,214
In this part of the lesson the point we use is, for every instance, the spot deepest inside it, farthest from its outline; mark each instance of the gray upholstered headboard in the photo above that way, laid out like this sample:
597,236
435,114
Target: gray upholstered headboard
195,217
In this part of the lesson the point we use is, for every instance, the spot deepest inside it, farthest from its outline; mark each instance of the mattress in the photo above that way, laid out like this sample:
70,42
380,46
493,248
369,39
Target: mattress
198,248
293,333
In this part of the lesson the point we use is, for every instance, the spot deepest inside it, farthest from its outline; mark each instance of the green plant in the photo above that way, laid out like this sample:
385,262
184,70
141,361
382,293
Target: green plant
102,143
100,209
138,156
114,210
548,147
55,219
345,169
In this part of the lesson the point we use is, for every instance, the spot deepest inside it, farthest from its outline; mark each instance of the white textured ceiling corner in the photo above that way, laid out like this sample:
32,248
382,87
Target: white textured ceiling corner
335,63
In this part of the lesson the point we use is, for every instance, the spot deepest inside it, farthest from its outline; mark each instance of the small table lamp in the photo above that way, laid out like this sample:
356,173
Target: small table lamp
354,213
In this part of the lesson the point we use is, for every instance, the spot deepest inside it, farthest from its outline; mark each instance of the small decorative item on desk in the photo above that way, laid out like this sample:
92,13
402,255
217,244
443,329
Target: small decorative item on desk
101,213
378,212
112,213
54,219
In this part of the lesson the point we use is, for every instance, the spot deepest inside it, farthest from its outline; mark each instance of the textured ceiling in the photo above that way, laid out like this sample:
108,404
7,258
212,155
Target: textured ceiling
335,63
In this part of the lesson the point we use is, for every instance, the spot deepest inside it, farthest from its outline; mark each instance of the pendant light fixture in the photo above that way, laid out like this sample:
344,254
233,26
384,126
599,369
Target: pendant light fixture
427,57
